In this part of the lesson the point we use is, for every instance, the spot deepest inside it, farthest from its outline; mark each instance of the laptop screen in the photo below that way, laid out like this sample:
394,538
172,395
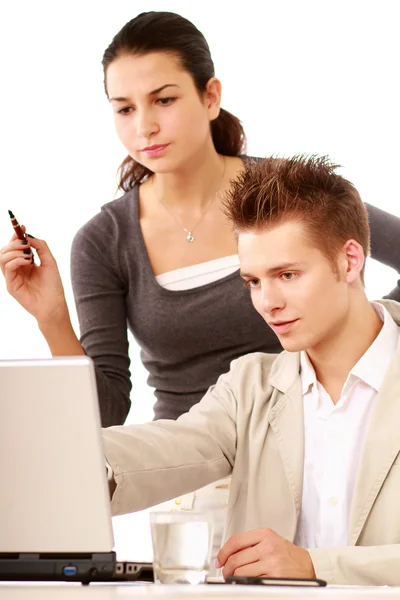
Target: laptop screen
54,493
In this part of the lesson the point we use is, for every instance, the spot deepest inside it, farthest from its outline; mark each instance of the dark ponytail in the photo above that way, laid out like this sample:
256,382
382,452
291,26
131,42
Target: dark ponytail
228,134
169,32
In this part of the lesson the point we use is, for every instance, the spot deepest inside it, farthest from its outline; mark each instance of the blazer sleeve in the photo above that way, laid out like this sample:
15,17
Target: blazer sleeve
385,244
157,461
358,565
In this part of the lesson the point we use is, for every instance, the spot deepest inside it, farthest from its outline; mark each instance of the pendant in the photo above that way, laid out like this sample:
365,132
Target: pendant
190,237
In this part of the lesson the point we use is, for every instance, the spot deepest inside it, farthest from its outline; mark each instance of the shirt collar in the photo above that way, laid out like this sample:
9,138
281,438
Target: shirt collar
308,377
372,366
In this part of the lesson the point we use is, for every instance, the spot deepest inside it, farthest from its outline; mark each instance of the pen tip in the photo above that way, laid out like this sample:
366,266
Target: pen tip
11,214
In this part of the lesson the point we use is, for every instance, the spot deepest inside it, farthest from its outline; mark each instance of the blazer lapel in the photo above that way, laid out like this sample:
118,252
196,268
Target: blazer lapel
381,446
287,422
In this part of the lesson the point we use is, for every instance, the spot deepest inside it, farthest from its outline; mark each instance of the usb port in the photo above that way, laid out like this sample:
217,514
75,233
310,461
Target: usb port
69,570
131,569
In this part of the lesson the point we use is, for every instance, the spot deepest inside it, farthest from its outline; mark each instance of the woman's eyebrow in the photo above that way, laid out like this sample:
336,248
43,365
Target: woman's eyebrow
152,93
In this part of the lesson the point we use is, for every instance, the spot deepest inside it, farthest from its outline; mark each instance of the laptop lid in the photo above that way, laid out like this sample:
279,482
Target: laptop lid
54,493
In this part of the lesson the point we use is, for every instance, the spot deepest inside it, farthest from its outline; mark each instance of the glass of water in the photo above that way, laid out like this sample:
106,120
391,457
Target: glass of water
182,543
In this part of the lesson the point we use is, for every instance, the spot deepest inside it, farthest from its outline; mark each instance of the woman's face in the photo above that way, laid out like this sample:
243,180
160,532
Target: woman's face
160,117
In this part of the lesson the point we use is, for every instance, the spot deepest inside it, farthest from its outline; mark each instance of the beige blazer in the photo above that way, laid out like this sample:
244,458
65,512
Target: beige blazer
250,424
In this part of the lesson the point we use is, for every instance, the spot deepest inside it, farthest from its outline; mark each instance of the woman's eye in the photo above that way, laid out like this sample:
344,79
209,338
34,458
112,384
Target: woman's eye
124,111
165,101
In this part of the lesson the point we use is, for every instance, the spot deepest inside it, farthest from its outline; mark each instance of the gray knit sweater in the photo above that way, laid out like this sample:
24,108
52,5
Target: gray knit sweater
188,338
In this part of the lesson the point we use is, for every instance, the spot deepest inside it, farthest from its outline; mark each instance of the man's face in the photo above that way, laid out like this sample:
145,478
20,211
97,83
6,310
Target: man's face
293,286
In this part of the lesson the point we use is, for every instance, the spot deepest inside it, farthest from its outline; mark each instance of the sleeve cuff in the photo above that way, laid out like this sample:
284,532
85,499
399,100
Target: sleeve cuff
322,564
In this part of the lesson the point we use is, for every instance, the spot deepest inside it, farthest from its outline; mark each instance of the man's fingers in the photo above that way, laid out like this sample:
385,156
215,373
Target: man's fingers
256,569
241,560
240,542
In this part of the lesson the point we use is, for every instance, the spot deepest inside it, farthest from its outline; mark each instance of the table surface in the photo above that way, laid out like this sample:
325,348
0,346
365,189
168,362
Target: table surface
51,591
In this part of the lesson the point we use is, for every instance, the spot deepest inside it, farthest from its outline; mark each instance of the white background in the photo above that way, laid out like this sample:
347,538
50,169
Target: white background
303,76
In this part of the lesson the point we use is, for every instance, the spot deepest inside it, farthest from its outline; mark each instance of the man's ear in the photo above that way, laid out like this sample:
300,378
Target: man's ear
354,258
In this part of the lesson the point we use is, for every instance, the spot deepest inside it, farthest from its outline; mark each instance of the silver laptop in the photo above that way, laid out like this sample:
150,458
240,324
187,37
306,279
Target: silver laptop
55,520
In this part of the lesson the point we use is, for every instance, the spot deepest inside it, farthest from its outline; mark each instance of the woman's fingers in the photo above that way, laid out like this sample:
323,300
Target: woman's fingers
14,255
24,246
12,274
15,244
43,251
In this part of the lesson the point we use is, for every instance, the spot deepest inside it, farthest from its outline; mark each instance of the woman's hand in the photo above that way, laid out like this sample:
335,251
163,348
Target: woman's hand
38,288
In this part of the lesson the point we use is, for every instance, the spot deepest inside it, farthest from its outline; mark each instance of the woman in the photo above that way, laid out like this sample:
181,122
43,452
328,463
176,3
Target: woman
161,260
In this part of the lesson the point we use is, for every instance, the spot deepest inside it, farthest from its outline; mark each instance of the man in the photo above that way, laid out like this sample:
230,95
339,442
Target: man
311,437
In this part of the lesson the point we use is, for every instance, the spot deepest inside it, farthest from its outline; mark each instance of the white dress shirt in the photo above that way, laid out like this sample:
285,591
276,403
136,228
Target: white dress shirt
334,436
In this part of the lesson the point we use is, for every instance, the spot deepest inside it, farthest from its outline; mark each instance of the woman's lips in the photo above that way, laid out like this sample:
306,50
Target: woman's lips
155,150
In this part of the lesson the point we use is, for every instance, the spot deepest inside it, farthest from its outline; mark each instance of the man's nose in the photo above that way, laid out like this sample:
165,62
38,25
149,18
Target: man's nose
270,299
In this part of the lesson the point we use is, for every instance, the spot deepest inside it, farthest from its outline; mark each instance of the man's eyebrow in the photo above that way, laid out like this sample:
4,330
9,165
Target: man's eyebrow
152,93
284,267
278,269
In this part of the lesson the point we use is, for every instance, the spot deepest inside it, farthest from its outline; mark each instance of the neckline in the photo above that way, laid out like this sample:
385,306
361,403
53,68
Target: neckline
149,270
200,268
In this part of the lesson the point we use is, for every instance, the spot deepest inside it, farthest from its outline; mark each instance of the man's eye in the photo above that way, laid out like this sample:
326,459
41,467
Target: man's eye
251,283
288,276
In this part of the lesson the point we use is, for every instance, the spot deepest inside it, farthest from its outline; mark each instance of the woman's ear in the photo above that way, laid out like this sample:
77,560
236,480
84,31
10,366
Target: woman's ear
213,97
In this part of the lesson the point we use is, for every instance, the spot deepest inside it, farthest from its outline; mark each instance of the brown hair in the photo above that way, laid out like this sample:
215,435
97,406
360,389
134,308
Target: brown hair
302,188
169,32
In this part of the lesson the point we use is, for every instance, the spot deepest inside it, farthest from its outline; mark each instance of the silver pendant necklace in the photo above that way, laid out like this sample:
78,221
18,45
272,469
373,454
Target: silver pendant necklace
190,237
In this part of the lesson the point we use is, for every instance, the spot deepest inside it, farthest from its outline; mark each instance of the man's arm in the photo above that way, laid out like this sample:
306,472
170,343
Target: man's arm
262,552
160,460
358,565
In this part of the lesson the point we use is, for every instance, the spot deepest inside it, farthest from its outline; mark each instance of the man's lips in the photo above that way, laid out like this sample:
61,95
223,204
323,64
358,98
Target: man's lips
282,326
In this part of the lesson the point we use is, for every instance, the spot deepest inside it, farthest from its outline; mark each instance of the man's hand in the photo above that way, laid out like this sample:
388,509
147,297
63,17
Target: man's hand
262,552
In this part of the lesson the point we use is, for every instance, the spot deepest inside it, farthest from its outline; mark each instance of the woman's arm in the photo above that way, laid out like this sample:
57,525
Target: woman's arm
385,241
39,289
100,302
